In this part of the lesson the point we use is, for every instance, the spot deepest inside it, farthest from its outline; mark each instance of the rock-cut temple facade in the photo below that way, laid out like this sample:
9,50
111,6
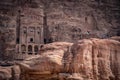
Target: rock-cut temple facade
29,32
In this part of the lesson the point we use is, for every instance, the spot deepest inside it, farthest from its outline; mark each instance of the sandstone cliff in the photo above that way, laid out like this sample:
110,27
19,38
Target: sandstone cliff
88,59
76,19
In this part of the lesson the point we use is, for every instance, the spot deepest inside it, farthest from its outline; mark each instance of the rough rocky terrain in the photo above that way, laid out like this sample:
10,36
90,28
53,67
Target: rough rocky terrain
88,59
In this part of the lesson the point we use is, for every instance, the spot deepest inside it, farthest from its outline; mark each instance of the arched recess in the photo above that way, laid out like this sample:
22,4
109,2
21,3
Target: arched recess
35,48
30,48
23,48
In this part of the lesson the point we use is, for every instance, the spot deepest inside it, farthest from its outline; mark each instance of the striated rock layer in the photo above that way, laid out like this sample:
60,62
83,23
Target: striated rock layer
88,59
10,72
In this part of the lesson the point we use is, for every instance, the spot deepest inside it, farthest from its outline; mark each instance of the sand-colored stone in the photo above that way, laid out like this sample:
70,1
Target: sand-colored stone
88,59
10,72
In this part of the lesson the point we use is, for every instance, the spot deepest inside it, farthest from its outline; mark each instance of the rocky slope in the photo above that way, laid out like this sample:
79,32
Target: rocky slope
88,59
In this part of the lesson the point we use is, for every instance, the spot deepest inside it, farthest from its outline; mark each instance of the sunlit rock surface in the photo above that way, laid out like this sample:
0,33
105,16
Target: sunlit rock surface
88,59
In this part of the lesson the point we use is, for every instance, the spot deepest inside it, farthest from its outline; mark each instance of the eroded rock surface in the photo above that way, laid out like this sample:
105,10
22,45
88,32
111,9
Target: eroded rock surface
88,59
10,72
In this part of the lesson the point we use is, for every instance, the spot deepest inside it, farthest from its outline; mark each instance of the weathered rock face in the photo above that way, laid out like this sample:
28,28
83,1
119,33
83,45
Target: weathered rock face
47,65
88,59
116,38
76,19
81,19
10,72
